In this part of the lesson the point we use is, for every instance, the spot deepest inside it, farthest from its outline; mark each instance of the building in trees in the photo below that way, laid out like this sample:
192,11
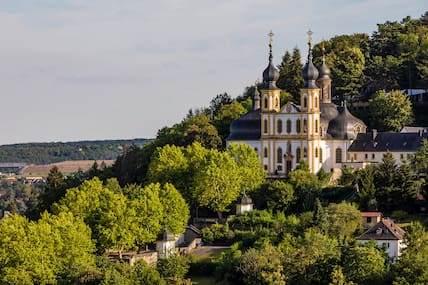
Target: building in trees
246,205
371,147
317,131
388,235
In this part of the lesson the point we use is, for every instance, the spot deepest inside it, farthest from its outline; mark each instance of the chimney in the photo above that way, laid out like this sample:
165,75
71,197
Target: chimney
374,134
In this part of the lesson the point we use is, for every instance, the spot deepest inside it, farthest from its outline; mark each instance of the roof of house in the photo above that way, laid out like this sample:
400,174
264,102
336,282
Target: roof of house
384,230
383,142
371,214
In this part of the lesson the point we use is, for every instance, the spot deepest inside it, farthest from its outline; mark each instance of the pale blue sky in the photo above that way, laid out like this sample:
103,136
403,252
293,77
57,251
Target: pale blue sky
104,69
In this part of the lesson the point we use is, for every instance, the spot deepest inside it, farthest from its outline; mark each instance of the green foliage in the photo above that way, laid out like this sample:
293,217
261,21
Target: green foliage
364,264
344,220
54,249
390,112
173,268
279,195
290,74
227,114
306,188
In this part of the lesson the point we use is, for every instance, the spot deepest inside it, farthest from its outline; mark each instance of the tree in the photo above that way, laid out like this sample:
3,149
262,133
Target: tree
262,266
173,268
420,159
55,189
306,187
366,194
279,195
390,112
53,250
227,114
218,182
343,220
364,264
249,165
290,74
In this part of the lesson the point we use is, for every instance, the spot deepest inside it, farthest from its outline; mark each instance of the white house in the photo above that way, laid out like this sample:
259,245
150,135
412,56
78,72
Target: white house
388,235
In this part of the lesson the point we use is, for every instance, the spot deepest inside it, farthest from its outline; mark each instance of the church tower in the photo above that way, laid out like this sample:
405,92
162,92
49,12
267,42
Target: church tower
324,80
310,111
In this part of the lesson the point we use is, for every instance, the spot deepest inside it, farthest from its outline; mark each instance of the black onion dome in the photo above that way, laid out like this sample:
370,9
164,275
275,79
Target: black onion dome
328,112
310,72
247,127
343,126
270,75
324,71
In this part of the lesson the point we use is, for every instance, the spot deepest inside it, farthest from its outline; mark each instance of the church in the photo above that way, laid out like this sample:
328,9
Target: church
317,131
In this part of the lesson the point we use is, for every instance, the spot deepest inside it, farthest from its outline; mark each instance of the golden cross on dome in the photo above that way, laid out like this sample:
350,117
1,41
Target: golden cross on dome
270,37
310,33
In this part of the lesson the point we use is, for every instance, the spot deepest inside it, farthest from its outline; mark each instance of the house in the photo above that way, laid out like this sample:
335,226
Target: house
388,235
370,219
371,147
316,131
246,205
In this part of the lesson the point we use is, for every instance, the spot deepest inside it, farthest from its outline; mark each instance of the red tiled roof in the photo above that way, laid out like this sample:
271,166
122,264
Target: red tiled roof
371,214
384,230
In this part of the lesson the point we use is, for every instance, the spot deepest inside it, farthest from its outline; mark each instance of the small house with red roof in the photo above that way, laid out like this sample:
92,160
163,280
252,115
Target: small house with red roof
370,219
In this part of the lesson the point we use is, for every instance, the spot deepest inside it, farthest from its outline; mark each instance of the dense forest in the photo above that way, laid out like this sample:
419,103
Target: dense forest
304,228
45,153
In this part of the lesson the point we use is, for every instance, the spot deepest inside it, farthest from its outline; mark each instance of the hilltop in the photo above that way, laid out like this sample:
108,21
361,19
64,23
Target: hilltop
46,153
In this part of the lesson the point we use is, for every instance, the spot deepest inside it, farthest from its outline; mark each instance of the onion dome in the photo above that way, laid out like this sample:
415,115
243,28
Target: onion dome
271,73
247,127
344,125
324,71
328,112
310,72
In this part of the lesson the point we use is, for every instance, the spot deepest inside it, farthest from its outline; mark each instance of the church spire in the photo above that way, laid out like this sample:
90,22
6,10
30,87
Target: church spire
324,80
270,74
310,72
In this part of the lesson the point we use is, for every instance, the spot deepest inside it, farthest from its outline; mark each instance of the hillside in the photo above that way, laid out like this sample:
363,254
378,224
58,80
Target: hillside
46,153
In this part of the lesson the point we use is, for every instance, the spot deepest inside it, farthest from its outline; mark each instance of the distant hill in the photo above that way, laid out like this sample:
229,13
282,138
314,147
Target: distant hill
46,153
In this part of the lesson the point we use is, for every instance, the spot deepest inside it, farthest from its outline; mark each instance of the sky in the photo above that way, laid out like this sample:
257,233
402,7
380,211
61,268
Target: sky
120,69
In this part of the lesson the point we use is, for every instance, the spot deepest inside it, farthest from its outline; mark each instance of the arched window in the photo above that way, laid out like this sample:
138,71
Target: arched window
316,152
265,102
279,126
298,126
338,155
320,155
305,152
288,148
316,102
288,126
305,126
256,150
298,155
279,155
265,126
265,154
276,102
316,126
305,102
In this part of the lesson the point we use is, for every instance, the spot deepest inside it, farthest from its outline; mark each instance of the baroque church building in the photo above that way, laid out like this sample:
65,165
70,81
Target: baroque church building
317,131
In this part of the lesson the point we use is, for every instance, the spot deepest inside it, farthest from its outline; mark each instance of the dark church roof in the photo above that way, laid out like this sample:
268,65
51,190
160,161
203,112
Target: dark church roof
343,126
247,127
383,142
328,112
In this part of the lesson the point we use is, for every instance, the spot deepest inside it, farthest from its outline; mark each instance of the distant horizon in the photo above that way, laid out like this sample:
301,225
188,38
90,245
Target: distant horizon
91,70
76,141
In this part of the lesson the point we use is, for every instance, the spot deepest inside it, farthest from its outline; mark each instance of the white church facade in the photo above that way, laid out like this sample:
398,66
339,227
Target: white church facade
317,131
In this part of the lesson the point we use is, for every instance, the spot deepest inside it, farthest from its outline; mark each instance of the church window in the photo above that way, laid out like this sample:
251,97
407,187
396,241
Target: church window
338,155
298,155
256,150
316,126
305,125
298,126
366,156
305,152
265,102
279,155
373,156
265,126
316,152
276,102
279,126
320,155
265,152
316,101
358,129
288,126
305,102
289,148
